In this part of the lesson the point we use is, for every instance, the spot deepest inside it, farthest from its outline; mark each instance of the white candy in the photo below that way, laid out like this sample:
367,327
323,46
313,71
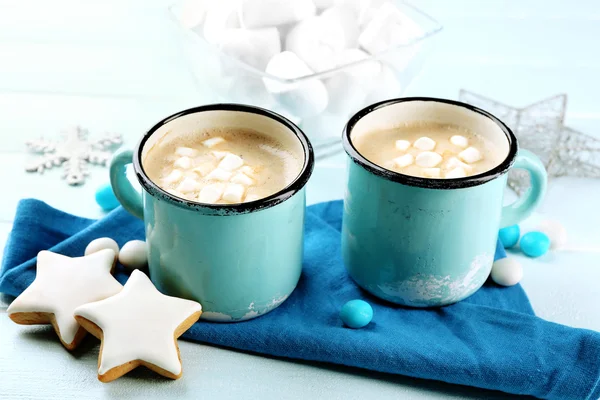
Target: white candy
339,28
428,159
186,152
458,172
507,271
243,179
404,160
101,244
424,143
212,142
219,154
454,162
219,175
251,197
306,41
134,254
431,172
173,177
261,13
210,194
402,145
204,169
219,19
459,141
248,170
556,232
254,47
305,99
470,155
231,162
188,185
234,193
183,162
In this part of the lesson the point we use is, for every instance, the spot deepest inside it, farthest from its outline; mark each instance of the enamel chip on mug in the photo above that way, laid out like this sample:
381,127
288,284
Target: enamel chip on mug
404,161
424,143
212,142
428,159
470,155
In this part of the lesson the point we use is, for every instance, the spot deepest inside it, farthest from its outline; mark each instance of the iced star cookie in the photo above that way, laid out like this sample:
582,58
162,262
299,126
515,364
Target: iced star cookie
62,284
138,326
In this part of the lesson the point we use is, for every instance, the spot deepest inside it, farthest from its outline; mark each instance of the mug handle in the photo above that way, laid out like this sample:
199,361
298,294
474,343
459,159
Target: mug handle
519,210
129,198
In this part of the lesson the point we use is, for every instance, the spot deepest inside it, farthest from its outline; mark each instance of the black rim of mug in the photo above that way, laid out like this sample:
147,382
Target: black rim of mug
294,187
429,183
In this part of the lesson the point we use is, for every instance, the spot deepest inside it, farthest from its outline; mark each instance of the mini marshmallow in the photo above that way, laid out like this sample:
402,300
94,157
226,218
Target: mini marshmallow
212,142
219,175
186,152
455,163
188,185
431,172
457,172
428,159
210,193
262,13
231,162
404,160
204,169
470,155
219,19
234,193
173,177
248,170
402,145
254,47
339,29
424,143
307,98
219,154
306,41
183,162
251,197
459,141
243,179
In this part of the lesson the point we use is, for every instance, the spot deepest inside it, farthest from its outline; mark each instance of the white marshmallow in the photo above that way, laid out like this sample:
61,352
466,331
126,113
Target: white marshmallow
428,159
243,179
261,13
306,41
402,145
219,175
470,155
248,170
173,177
431,172
234,193
387,28
219,154
210,193
404,160
457,172
134,254
183,162
219,19
556,232
459,141
231,162
254,47
101,244
507,271
212,142
454,162
305,99
186,152
188,185
424,143
251,197
204,169
339,29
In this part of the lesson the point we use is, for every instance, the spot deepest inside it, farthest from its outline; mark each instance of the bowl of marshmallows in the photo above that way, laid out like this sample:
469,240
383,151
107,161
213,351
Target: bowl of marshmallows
315,62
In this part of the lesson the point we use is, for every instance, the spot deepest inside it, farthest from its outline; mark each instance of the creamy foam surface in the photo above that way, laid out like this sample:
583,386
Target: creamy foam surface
244,166
398,150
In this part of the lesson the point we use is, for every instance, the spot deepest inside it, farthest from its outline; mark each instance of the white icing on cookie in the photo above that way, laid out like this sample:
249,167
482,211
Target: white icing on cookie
63,283
139,323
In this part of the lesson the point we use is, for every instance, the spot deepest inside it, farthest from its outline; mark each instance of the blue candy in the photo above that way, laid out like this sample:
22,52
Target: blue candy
105,197
356,314
509,236
535,244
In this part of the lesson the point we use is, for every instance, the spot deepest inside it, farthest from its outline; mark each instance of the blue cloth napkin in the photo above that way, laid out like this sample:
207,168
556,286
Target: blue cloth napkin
491,340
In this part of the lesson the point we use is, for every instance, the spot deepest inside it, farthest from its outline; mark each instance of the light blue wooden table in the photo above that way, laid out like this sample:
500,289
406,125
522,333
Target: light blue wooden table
116,65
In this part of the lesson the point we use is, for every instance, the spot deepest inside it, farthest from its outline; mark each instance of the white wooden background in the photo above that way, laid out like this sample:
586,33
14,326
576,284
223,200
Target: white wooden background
117,65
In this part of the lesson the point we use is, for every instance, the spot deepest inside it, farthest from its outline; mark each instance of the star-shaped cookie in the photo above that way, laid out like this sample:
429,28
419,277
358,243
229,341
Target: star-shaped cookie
62,284
138,326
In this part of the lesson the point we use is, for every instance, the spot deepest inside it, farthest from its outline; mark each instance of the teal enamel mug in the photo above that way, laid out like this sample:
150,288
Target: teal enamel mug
240,260
425,242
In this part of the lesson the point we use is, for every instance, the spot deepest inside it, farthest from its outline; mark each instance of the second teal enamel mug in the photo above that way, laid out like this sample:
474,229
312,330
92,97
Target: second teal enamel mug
240,260
425,242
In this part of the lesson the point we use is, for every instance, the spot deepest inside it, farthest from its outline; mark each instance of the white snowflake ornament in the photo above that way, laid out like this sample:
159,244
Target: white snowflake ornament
74,152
